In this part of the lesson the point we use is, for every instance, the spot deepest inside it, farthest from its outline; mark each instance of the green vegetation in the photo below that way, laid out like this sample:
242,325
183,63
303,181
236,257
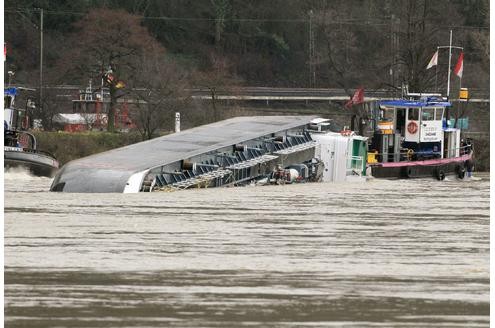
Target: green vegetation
69,146
253,42
154,51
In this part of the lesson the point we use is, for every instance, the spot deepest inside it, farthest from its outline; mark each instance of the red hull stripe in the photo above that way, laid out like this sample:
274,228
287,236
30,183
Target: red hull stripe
426,162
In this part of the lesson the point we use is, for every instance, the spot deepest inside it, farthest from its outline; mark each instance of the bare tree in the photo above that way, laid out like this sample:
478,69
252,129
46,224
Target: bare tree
159,91
52,105
216,79
481,41
112,41
345,55
221,7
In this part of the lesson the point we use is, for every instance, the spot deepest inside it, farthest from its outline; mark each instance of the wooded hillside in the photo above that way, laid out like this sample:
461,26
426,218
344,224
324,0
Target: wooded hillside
307,43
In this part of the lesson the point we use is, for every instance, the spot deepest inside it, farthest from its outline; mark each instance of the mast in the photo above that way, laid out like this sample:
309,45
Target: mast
450,46
450,59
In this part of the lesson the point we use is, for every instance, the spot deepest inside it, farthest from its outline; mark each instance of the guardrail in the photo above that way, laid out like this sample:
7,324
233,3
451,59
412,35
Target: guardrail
281,94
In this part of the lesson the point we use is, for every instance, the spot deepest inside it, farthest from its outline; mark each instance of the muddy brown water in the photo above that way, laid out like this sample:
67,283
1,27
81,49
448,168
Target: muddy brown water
404,253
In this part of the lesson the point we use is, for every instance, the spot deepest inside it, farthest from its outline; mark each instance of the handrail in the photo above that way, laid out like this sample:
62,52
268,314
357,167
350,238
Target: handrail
424,152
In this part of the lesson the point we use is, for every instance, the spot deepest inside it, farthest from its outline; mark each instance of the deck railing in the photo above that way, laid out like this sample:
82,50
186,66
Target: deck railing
463,150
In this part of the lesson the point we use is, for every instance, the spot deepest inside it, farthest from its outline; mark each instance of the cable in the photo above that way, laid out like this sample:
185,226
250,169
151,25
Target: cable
288,20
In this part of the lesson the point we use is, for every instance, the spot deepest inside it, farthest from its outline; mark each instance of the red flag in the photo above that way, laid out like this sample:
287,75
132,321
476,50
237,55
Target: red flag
358,98
459,67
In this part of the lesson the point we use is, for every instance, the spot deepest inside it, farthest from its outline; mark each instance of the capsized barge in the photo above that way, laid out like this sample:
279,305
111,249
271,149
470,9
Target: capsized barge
232,152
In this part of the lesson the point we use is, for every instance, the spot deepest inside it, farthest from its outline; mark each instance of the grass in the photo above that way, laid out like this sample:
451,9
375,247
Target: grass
67,146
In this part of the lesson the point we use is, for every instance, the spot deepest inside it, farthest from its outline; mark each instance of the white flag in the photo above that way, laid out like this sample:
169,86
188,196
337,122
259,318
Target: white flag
433,60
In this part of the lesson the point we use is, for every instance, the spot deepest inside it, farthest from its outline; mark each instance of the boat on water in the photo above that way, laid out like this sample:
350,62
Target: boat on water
235,152
20,146
413,139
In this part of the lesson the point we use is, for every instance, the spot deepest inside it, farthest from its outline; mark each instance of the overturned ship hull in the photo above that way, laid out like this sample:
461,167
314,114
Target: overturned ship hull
231,152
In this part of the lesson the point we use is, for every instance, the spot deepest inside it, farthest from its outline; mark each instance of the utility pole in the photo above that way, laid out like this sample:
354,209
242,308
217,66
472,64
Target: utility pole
312,52
41,60
394,52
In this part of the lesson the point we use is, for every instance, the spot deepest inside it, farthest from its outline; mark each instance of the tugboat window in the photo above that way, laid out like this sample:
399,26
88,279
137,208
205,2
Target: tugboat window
428,114
438,114
387,114
7,102
413,114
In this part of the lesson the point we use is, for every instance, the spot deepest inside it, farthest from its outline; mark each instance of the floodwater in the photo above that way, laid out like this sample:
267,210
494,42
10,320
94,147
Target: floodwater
410,253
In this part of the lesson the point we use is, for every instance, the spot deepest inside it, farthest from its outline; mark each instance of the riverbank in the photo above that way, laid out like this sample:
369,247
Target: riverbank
70,146
67,146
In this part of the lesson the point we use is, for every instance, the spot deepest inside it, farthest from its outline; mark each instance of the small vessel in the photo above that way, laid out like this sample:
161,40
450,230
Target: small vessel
20,147
413,139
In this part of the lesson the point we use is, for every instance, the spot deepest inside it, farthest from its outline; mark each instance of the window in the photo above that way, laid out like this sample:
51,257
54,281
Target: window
438,114
7,102
428,114
413,114
387,114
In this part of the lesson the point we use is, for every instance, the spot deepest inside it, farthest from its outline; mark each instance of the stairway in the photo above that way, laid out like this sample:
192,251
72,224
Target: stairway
187,179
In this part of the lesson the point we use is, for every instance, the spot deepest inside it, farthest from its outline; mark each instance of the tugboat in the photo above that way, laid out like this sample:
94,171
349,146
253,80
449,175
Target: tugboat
412,139
20,147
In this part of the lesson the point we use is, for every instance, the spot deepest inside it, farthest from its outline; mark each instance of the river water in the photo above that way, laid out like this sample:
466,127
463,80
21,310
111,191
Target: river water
409,253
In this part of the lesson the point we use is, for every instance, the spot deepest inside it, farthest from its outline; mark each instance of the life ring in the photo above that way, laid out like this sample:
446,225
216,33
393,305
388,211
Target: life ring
412,127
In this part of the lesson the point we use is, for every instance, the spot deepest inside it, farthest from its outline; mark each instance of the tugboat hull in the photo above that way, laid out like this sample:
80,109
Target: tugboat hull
38,163
437,168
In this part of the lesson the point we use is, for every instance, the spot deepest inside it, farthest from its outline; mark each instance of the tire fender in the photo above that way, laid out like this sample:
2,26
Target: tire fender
440,174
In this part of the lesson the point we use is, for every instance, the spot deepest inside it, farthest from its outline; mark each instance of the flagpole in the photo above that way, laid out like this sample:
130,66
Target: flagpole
436,73
450,58
460,83
434,62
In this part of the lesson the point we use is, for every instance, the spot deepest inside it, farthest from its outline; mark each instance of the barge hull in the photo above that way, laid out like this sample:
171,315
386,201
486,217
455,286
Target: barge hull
129,168
437,168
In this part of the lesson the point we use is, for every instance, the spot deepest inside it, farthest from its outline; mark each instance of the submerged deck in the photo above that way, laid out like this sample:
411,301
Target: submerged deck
113,171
